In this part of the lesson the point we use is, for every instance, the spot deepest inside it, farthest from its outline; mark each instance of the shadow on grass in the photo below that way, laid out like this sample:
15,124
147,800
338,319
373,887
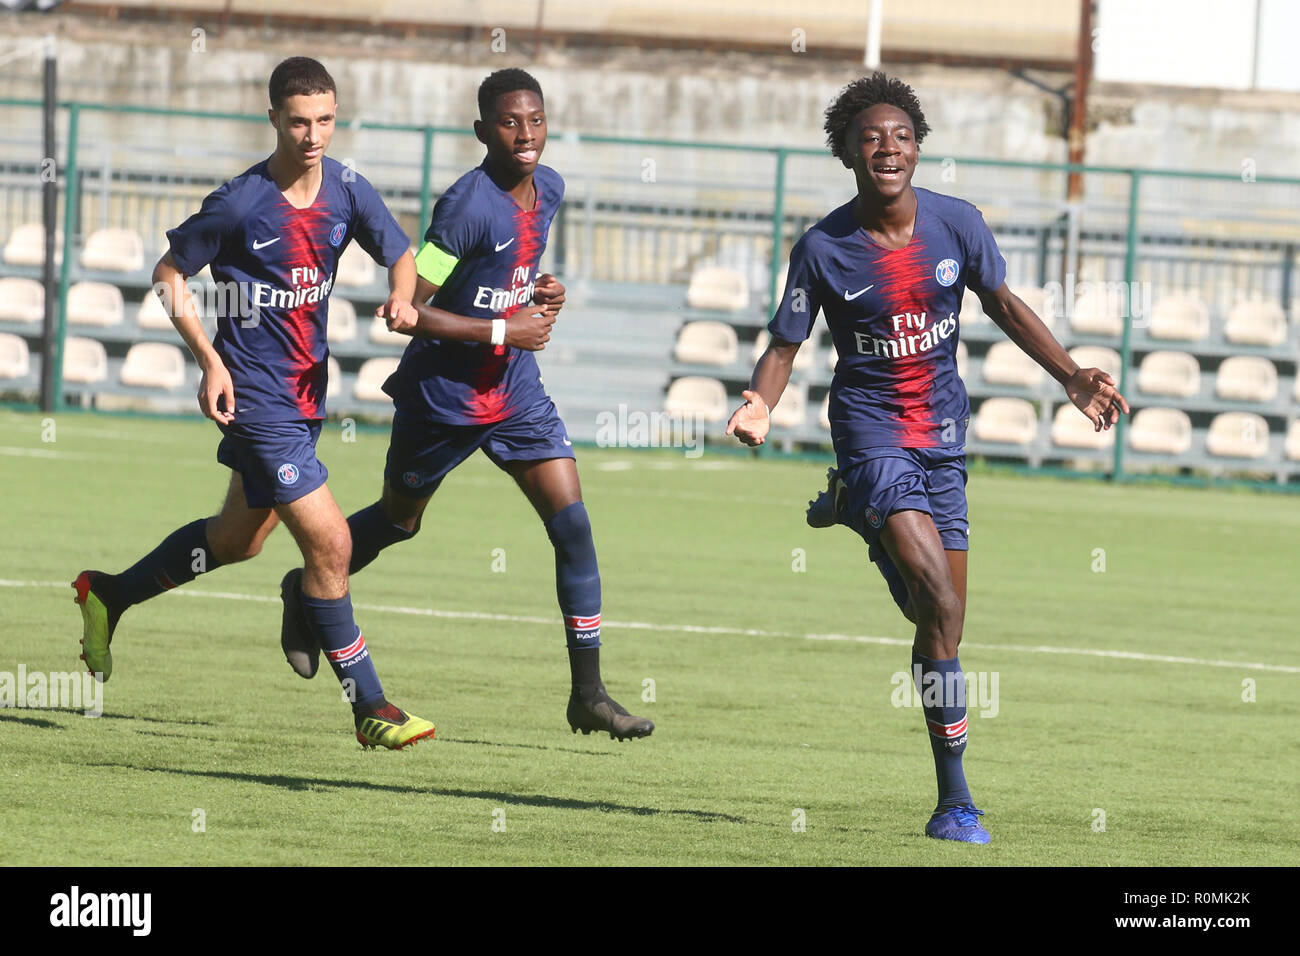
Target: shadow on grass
497,743
30,721
80,712
497,796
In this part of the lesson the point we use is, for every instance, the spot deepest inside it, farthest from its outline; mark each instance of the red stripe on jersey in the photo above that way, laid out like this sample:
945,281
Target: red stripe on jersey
902,275
304,328
491,401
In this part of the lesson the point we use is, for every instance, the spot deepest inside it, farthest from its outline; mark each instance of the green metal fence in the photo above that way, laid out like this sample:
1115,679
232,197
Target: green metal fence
646,212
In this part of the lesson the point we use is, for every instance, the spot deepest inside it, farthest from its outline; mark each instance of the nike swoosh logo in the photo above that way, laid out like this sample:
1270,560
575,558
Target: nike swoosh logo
567,442
850,298
504,244
258,245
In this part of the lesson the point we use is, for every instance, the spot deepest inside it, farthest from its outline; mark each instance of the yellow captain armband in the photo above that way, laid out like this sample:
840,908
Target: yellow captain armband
433,264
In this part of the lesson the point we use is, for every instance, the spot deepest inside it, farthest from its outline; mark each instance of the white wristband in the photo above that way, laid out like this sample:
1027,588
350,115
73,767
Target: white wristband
498,332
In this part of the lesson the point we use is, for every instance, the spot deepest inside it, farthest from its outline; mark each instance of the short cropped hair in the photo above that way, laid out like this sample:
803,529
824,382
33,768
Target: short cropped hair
299,76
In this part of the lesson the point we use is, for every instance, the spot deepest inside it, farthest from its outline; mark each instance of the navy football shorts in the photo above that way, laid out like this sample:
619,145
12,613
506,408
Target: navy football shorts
277,460
882,481
423,451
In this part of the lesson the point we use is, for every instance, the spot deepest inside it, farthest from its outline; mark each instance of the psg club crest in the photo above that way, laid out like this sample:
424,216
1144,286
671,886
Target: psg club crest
873,516
946,272
412,479
339,230
288,473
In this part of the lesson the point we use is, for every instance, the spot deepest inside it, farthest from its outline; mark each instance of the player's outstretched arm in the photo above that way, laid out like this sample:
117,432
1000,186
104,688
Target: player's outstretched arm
1091,390
750,422
215,385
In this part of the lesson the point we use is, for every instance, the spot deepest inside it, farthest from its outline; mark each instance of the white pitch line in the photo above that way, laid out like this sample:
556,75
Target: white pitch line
716,629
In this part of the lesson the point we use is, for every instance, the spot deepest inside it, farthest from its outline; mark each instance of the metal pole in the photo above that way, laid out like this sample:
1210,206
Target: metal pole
70,193
1076,138
778,228
426,186
871,52
1126,346
50,203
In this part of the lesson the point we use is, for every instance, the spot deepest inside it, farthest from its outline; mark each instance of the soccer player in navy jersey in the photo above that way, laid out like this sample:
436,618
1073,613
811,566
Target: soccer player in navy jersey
888,268
275,234
469,380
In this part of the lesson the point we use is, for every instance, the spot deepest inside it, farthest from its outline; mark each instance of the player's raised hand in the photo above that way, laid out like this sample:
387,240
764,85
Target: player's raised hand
400,315
530,327
1093,393
214,386
750,421
548,291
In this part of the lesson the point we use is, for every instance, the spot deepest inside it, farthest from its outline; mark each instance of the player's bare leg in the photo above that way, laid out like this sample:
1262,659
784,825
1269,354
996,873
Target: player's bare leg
322,534
552,487
235,533
936,585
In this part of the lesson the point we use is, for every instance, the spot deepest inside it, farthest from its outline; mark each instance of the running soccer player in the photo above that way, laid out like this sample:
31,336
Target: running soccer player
888,269
468,380
275,233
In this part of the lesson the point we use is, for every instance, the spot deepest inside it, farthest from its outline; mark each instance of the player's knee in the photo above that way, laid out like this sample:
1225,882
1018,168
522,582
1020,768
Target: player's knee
232,548
402,512
570,528
934,599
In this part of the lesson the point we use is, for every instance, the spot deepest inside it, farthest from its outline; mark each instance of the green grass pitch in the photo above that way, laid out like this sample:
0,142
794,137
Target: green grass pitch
772,685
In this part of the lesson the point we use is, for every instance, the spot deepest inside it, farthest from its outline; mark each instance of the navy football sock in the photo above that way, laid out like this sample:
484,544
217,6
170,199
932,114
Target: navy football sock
183,555
577,576
942,686
345,648
371,533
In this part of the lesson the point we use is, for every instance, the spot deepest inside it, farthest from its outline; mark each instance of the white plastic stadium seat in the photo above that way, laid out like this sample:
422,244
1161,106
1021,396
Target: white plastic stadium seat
1295,389
340,320
26,245
374,372
1071,429
719,288
335,384
706,343
697,396
356,268
1097,312
1006,364
1256,323
1246,378
95,303
803,359
380,335
791,411
1097,356
1044,306
154,365
1180,317
21,300
963,359
84,361
1160,431
824,417
15,360
781,277
153,314
1293,441
113,250
972,313
1237,435
1176,374
1010,421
